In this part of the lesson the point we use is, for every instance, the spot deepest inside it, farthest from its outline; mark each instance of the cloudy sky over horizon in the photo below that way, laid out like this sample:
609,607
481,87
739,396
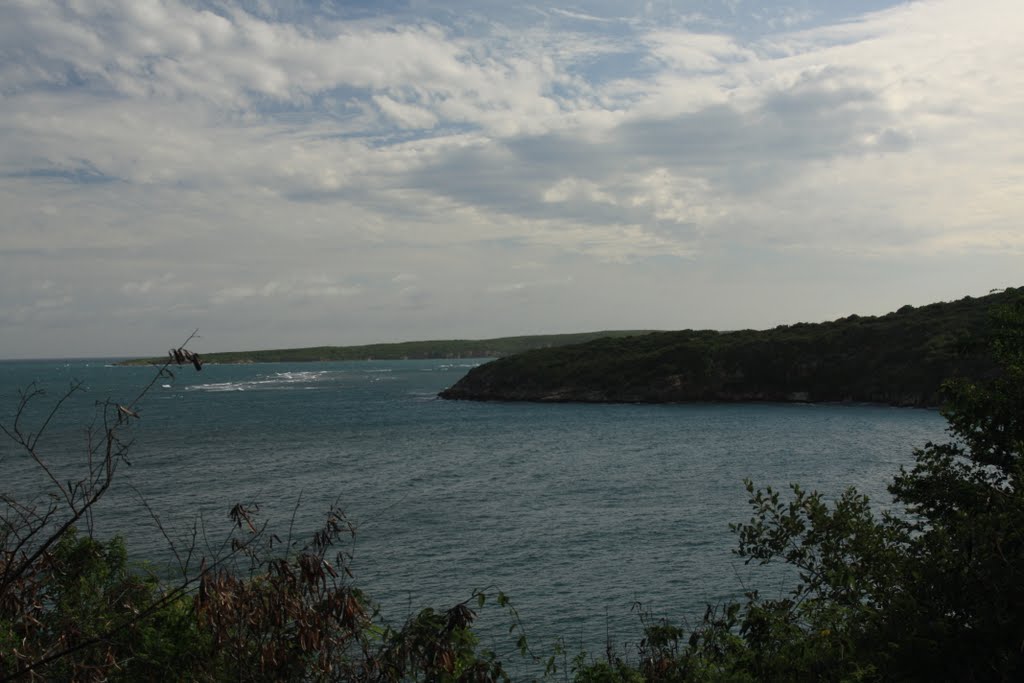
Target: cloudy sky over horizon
303,172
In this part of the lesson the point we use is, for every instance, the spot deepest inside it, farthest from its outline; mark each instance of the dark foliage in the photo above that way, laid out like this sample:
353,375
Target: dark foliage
935,592
901,358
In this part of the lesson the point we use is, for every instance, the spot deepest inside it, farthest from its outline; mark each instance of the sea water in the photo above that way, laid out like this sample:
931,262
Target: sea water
577,512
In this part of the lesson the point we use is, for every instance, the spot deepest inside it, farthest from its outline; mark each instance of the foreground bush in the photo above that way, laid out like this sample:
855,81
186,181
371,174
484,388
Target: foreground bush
933,591
74,608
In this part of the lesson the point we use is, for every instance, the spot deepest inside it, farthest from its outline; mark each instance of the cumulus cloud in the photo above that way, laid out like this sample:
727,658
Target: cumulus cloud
250,149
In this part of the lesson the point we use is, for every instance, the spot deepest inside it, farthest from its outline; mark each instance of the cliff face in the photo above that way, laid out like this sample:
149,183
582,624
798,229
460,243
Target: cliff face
900,359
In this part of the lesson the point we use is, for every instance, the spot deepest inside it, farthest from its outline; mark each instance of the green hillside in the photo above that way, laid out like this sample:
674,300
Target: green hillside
448,348
901,358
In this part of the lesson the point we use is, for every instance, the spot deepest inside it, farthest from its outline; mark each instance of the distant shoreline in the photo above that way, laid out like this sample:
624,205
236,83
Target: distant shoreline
149,362
444,349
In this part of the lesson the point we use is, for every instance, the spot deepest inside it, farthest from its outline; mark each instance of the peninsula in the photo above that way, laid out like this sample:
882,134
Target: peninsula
899,359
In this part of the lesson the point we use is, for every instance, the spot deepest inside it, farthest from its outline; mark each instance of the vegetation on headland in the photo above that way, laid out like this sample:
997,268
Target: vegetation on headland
932,591
441,348
901,359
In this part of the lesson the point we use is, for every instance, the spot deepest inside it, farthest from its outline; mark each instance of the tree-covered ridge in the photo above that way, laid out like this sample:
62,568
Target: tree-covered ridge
441,348
900,358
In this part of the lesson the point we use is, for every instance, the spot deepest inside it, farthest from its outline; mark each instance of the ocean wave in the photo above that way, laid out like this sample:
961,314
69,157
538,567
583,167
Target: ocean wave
218,386
300,376
303,379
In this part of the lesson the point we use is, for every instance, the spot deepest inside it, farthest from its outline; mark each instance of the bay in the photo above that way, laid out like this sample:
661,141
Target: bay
577,512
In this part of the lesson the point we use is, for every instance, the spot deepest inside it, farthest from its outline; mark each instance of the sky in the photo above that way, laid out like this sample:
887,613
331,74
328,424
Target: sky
303,173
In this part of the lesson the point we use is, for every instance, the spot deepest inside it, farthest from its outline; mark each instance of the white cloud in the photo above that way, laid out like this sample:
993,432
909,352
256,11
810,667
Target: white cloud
250,153
543,287
164,285
297,288
405,115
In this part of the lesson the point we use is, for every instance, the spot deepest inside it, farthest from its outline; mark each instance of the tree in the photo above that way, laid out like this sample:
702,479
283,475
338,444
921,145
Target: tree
963,612
934,592
931,591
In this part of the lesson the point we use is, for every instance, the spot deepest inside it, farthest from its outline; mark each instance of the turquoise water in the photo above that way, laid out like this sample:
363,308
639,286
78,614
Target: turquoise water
575,511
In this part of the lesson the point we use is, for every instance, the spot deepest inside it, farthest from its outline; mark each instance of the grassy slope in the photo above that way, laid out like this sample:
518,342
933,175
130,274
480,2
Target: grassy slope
900,358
